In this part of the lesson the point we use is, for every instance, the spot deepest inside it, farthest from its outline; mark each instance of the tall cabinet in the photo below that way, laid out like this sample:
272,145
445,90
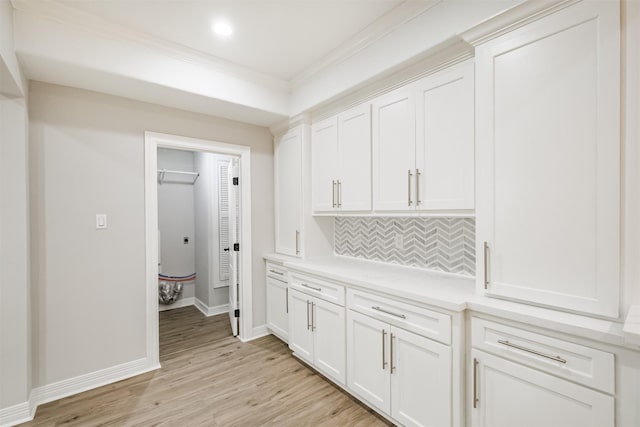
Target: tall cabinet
548,161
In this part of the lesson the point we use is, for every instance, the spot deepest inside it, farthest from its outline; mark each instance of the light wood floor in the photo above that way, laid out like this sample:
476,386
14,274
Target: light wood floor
209,378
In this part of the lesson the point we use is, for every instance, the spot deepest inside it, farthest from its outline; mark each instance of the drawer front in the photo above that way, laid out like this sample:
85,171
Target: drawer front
277,271
315,286
430,324
577,363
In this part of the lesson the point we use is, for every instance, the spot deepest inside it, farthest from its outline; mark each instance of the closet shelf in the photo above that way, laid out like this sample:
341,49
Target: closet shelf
162,176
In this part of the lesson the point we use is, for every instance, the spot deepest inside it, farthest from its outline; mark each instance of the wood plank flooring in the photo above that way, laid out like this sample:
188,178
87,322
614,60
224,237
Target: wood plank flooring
209,378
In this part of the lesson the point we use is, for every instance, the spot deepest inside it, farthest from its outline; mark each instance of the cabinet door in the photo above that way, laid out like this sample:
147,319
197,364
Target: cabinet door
368,360
300,333
548,120
355,159
329,335
445,133
509,394
324,165
288,187
420,380
278,308
394,139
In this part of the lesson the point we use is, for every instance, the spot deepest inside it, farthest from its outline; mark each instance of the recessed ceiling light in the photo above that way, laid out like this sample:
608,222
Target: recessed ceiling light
222,28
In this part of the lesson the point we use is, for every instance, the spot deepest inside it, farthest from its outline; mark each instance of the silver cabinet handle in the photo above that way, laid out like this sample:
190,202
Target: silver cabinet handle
418,201
333,193
529,350
409,176
313,316
311,287
308,321
475,383
279,273
286,300
384,356
339,194
382,310
393,367
486,265
297,238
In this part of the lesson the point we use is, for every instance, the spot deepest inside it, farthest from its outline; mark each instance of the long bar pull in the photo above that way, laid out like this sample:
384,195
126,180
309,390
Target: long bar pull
529,350
279,273
418,201
393,367
333,193
339,193
286,300
409,176
311,287
384,356
402,316
313,316
297,238
308,321
475,383
486,265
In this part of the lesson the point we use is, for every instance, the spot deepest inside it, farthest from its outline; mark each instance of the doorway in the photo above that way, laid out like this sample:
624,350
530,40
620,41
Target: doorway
239,274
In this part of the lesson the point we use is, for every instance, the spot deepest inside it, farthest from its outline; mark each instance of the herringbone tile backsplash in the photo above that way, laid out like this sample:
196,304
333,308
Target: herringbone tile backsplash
444,244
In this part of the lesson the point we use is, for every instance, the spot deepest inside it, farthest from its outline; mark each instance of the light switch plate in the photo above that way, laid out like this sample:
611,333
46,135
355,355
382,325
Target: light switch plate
101,221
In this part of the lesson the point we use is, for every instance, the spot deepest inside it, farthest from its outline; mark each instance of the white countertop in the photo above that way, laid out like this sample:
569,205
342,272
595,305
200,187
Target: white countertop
457,293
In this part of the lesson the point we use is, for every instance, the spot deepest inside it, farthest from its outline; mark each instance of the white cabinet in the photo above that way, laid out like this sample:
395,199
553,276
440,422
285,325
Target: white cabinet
341,162
288,163
445,133
277,301
507,394
519,377
548,161
403,374
394,139
423,144
317,333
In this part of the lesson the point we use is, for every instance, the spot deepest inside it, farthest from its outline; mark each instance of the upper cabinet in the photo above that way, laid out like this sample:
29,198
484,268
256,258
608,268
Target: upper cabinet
548,162
423,144
288,191
341,162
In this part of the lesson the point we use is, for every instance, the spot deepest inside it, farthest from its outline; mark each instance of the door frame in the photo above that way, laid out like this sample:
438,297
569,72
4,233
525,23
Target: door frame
153,141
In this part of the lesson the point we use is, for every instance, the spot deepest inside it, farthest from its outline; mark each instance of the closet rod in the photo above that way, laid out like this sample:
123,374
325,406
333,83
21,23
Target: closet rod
163,172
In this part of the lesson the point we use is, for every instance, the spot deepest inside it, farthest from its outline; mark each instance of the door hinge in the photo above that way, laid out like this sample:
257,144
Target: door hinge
236,180
236,247
236,313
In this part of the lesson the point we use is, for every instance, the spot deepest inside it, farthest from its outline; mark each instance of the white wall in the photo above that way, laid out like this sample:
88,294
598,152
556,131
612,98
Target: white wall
176,218
15,336
89,285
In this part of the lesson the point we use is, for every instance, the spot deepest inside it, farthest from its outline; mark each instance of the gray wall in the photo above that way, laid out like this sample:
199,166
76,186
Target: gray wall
89,285
176,218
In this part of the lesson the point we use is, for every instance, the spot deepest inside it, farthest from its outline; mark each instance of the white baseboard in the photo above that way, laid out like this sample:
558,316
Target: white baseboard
17,414
184,302
210,311
258,332
64,388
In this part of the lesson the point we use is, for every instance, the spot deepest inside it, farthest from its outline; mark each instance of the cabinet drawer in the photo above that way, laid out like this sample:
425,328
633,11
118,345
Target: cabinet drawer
422,321
277,271
321,288
580,364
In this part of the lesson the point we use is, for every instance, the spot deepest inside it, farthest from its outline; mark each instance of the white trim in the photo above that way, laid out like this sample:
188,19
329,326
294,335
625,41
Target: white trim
17,414
257,332
183,302
153,141
211,311
81,383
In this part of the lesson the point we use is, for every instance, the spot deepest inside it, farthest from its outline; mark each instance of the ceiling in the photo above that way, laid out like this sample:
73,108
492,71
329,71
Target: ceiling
281,38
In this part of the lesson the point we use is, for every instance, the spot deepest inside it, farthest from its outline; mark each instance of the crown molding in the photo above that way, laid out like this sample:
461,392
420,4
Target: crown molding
280,128
75,18
395,18
512,19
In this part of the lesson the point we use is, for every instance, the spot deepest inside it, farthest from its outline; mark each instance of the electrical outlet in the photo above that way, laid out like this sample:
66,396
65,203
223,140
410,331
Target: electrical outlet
399,241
